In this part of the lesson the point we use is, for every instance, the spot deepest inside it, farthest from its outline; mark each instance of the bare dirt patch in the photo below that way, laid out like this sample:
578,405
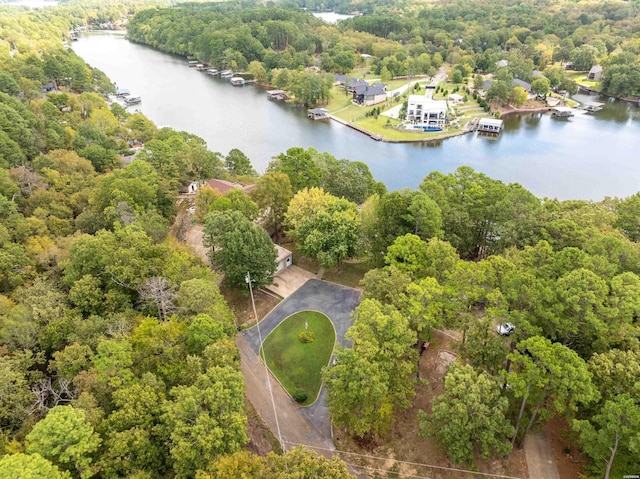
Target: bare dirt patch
567,454
261,439
239,302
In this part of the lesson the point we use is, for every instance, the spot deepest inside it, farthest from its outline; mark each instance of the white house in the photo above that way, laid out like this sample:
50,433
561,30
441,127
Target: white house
425,112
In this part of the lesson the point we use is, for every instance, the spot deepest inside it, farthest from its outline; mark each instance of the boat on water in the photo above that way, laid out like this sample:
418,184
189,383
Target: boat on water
193,63
132,100
237,81
200,67
213,72
226,74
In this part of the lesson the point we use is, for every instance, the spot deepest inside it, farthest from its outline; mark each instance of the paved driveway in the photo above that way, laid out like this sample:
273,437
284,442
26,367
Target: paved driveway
307,425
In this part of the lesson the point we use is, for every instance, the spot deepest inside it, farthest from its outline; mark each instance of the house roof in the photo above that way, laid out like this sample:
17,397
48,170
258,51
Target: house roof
490,121
428,103
502,63
487,84
275,92
538,74
522,83
318,110
223,186
281,252
596,69
370,90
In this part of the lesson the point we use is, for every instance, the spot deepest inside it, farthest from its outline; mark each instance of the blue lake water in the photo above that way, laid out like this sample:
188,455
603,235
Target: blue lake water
587,157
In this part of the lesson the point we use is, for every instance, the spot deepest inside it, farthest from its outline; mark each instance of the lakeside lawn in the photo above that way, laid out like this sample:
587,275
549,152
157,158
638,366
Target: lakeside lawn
298,365
581,79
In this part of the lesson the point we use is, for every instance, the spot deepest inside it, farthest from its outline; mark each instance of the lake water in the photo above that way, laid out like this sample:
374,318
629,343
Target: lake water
331,17
587,157
30,3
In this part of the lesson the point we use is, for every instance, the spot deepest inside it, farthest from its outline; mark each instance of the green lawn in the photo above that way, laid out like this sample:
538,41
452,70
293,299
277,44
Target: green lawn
298,365
349,274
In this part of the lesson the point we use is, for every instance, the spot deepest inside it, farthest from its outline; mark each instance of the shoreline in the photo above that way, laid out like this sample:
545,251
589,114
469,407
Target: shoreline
377,137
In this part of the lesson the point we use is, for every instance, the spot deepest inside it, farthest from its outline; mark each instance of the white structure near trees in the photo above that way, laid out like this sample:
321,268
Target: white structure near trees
426,112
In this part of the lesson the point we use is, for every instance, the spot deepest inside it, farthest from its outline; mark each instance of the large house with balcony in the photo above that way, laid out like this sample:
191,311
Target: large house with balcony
426,113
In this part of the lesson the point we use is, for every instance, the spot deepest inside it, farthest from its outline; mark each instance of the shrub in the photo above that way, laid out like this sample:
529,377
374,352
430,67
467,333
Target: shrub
306,337
300,395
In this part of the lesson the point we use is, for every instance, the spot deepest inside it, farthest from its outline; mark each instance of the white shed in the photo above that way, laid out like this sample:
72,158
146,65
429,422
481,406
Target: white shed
284,258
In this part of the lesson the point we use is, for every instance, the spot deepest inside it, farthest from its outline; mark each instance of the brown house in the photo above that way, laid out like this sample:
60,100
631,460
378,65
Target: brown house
223,186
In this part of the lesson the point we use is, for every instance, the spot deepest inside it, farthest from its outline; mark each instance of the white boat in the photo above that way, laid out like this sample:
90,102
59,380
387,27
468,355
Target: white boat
200,67
132,100
226,74
213,72
237,81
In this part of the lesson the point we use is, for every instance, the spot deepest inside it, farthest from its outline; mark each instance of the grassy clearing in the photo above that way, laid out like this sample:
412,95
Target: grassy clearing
581,79
349,274
298,365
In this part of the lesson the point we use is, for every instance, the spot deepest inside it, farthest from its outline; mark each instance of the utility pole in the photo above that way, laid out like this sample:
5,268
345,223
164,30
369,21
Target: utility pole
264,361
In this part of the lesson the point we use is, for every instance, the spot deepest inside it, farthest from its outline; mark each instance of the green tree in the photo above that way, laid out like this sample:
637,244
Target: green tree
518,96
616,427
239,246
29,466
540,86
326,227
383,347
205,420
300,166
386,285
470,414
239,164
65,438
272,195
542,370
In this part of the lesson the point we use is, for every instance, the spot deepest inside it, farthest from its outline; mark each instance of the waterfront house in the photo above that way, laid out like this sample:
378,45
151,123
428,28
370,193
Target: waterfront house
490,125
276,94
318,113
522,83
284,258
223,186
595,74
367,95
426,113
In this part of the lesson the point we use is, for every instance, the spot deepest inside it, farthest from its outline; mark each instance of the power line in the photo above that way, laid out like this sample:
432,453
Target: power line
433,466
264,361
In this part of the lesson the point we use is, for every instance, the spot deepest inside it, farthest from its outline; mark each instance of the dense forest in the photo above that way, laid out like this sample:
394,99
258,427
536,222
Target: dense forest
276,44
117,347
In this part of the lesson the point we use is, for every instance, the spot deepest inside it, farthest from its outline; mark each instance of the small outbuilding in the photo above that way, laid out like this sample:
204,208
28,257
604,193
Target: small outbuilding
284,258
188,188
595,74
455,98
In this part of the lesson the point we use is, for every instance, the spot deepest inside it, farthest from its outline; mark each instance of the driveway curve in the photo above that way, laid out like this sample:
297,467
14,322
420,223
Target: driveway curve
298,425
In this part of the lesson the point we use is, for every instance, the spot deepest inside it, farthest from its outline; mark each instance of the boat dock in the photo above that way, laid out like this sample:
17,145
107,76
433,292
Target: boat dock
563,112
591,106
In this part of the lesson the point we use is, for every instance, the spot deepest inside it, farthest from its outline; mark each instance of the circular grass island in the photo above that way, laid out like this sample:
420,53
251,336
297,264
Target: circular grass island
297,350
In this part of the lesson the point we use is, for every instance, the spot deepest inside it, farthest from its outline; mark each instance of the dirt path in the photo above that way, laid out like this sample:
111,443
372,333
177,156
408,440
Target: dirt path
540,460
